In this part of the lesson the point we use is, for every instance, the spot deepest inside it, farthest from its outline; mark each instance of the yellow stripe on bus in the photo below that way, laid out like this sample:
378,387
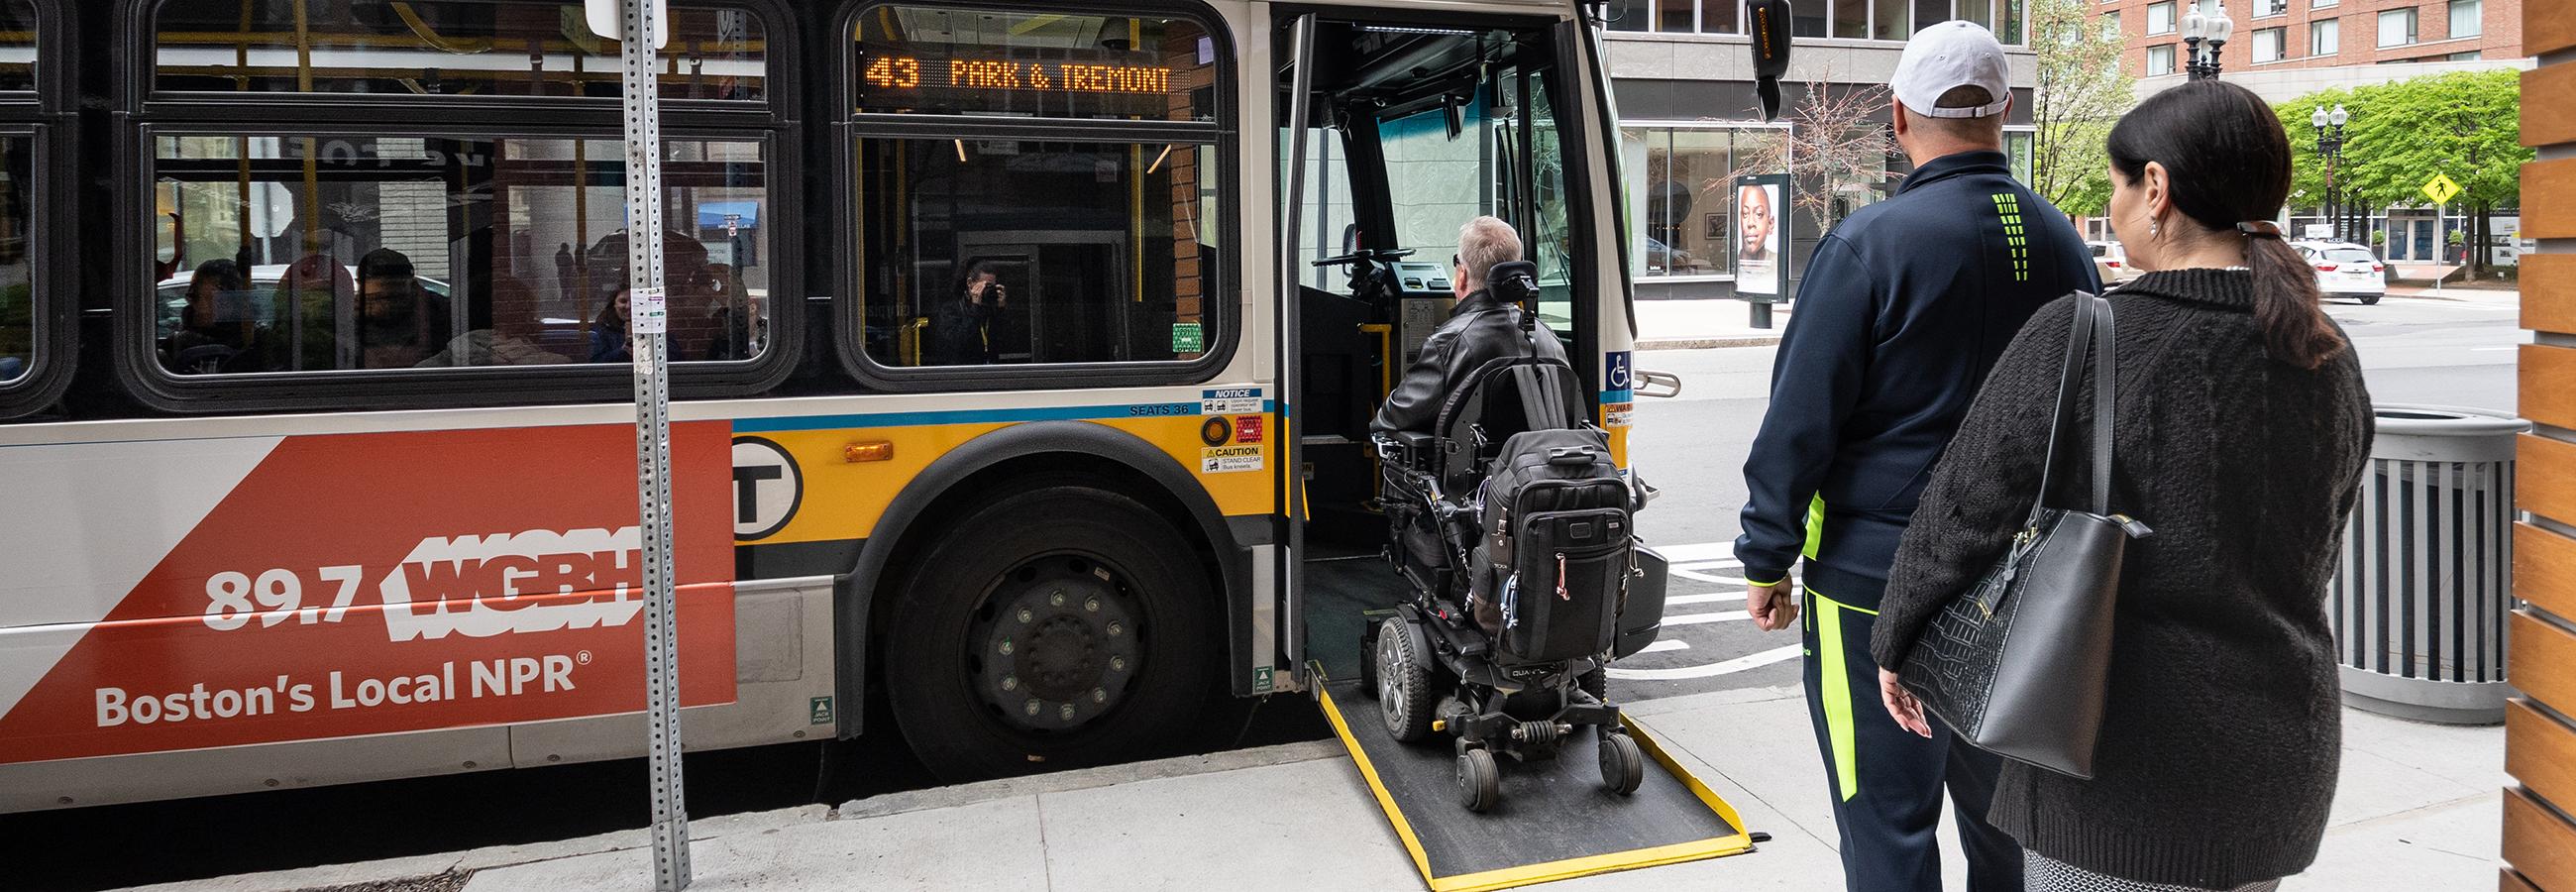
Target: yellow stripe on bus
843,499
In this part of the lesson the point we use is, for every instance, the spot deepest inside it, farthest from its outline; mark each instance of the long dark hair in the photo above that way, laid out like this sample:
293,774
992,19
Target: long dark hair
2227,162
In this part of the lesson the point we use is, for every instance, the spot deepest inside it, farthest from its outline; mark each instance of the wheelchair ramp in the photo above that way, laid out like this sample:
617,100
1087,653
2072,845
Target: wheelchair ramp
1555,821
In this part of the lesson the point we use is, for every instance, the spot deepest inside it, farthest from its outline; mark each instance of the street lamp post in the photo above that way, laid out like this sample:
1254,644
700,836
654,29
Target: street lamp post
2329,126
2211,29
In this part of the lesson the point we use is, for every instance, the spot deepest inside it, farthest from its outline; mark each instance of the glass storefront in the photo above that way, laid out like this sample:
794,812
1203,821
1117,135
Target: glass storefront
1680,185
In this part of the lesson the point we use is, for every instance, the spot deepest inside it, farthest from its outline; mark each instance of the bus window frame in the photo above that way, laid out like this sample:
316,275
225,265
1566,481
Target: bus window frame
136,356
1222,132
780,94
44,117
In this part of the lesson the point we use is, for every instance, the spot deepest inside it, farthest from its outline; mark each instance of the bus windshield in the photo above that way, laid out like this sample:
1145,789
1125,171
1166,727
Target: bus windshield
1513,167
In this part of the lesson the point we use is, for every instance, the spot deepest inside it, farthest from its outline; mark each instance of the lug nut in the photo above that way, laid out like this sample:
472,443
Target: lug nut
1031,707
1099,695
1116,629
1091,605
1026,616
1010,683
1056,598
1118,664
1006,647
1064,712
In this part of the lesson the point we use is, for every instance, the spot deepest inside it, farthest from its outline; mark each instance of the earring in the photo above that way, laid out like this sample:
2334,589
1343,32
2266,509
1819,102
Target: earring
2151,228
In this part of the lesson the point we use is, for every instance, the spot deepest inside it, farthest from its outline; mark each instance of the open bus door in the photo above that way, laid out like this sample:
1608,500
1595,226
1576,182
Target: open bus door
1398,128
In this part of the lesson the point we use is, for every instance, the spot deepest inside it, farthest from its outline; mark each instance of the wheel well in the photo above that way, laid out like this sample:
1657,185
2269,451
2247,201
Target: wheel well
1020,474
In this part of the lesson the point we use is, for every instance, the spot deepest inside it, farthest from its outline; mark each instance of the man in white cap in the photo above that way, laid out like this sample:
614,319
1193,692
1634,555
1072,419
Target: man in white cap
1904,308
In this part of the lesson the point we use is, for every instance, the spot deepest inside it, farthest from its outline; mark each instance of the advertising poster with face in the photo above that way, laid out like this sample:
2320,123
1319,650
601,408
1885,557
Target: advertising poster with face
1760,236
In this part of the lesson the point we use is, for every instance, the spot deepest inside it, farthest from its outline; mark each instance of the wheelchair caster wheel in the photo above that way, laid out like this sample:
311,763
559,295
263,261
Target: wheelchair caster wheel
1623,765
1480,781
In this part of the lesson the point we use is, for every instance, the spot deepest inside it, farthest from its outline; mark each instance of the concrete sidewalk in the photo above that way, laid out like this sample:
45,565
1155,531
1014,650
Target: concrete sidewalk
2417,809
1679,324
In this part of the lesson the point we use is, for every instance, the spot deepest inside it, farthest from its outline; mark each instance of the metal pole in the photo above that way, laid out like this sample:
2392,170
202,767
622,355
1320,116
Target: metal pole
648,321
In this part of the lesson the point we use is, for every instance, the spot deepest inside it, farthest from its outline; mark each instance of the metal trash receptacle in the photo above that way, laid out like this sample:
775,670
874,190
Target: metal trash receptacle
2420,596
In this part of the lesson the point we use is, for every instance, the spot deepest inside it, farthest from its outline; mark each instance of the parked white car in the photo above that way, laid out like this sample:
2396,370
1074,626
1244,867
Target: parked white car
2111,262
2345,269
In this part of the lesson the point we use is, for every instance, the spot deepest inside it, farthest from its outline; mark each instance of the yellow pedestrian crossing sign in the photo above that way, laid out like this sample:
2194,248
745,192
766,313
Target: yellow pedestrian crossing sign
2441,189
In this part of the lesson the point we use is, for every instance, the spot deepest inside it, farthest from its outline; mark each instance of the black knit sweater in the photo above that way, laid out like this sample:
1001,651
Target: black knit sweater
2219,747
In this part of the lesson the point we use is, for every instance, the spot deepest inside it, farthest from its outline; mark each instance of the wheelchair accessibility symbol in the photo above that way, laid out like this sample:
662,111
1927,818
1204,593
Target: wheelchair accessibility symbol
1615,373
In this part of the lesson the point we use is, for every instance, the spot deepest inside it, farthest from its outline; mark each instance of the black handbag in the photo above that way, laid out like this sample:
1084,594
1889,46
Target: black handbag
2018,665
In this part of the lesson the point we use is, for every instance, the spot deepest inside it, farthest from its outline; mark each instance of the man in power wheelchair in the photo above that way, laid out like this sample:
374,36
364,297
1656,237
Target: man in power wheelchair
1504,505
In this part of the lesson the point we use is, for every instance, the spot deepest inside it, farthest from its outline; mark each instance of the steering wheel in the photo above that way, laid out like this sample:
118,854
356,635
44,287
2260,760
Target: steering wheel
202,359
1365,255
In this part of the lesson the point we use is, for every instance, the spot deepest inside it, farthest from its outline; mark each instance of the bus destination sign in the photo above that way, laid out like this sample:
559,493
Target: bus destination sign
908,72
1056,86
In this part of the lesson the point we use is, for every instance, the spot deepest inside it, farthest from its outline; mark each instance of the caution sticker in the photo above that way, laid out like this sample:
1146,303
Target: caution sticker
650,313
1226,459
1230,401
1617,414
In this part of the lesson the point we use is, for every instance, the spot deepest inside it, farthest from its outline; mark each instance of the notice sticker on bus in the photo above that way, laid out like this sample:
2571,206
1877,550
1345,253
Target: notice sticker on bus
1230,401
1227,459
650,313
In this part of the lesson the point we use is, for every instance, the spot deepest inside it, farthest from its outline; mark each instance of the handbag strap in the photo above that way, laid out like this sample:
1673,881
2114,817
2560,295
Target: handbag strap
2093,327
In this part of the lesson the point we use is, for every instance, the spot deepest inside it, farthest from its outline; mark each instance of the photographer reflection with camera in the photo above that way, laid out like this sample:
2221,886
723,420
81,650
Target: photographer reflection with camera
961,330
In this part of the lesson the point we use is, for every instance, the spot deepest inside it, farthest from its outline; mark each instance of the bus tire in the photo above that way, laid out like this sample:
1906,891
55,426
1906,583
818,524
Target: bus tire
1059,627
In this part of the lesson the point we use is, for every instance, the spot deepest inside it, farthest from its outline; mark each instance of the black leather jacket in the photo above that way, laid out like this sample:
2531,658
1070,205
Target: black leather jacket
1479,330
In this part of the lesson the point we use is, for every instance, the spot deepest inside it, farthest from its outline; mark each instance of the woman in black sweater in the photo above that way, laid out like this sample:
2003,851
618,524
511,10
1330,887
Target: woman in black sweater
2242,428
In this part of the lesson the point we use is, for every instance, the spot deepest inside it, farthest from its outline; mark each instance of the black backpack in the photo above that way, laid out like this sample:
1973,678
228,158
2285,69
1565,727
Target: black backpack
1558,545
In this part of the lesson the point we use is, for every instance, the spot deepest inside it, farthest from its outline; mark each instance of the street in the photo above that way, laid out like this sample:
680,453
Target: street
2454,351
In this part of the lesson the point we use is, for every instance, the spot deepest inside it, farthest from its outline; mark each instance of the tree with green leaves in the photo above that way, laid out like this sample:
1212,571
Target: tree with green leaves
2081,90
2466,125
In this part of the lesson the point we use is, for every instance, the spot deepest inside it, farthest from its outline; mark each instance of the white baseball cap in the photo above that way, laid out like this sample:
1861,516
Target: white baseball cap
1949,55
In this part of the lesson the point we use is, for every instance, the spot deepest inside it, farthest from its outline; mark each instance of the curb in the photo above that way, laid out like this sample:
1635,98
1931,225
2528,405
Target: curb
1700,343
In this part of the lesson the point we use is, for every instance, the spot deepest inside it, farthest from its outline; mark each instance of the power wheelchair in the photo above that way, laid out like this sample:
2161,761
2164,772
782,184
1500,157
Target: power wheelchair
1512,499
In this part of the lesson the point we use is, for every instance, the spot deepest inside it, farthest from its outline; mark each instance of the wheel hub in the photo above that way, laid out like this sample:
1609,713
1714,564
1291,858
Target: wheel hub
1057,644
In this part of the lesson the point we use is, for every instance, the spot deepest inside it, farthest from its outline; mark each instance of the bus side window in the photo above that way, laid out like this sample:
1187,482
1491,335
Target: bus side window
347,254
1008,251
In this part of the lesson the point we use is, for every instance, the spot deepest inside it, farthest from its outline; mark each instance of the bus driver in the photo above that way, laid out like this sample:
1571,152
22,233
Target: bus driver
1480,329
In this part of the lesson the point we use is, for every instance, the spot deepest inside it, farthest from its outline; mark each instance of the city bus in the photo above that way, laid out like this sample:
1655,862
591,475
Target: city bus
1023,355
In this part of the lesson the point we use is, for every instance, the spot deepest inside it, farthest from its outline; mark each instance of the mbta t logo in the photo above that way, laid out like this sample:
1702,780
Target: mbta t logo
767,488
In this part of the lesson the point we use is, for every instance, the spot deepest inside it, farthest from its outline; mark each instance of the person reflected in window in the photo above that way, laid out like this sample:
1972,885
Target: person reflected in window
610,341
397,324
310,317
961,330
203,344
740,321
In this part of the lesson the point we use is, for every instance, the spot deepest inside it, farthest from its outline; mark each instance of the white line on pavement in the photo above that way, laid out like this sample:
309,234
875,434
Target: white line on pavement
1739,664
1698,552
1693,619
1663,645
1710,598
1705,577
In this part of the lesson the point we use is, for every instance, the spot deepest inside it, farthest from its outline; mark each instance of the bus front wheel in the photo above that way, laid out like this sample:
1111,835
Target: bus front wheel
1058,627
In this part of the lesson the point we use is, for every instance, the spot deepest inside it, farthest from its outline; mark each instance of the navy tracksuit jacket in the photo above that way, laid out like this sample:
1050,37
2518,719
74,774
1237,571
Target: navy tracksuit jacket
1905,307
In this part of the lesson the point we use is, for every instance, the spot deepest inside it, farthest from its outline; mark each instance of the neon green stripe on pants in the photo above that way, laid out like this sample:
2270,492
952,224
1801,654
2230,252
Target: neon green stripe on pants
1836,681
